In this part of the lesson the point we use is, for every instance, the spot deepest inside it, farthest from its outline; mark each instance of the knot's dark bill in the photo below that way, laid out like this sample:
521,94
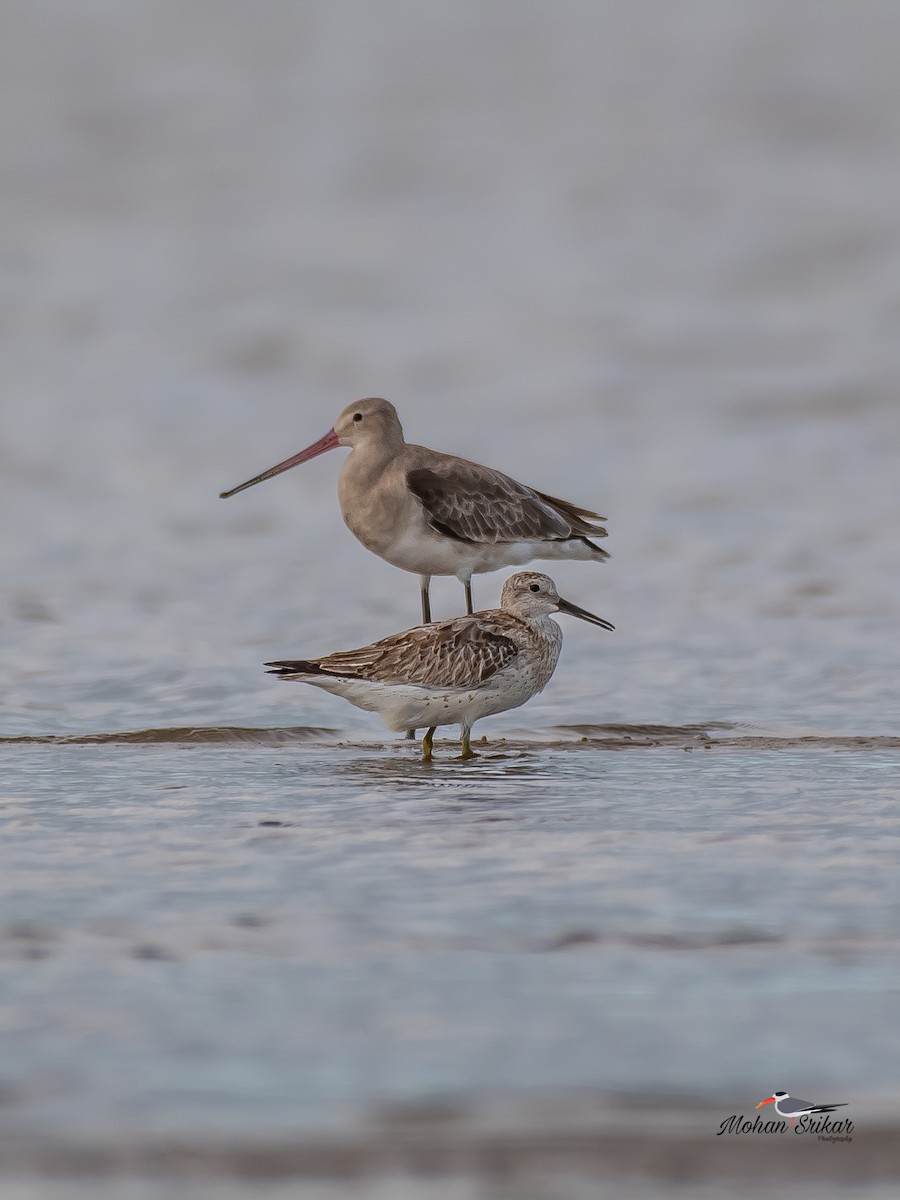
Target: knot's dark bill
573,610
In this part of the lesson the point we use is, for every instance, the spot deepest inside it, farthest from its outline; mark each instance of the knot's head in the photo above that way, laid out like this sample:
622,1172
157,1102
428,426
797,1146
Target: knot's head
533,594
530,594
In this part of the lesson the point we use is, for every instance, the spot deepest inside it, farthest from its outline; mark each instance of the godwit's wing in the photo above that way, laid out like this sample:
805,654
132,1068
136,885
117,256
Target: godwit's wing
461,653
472,503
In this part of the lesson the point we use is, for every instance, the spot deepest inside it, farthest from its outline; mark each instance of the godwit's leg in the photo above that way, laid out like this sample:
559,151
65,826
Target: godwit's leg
426,743
467,584
467,751
424,584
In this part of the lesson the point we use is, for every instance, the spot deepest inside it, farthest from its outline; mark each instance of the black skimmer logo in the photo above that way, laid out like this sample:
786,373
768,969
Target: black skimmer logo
790,1106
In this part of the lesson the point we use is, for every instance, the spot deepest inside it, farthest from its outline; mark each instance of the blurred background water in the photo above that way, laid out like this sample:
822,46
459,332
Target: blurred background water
642,255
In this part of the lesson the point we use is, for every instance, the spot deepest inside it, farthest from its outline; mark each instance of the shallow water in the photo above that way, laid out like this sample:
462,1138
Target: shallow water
644,256
275,937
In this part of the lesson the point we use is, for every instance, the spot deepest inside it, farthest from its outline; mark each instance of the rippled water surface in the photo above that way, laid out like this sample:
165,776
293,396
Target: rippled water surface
644,256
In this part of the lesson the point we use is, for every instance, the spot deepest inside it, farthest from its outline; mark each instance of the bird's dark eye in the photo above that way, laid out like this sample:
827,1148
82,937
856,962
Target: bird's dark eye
357,416
535,587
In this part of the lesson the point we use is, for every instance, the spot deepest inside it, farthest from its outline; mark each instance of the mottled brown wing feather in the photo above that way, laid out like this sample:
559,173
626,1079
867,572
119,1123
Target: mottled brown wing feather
475,504
461,653
575,514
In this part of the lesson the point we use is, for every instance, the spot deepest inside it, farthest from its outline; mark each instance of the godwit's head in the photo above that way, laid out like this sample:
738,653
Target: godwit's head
369,422
531,594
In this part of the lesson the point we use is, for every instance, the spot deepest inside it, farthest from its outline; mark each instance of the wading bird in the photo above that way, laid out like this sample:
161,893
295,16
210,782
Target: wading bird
435,514
452,672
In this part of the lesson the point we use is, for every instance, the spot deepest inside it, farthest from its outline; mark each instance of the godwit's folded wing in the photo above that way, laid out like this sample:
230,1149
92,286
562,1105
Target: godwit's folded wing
472,503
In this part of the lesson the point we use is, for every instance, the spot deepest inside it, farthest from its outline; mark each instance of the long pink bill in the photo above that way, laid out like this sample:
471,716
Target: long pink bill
328,442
